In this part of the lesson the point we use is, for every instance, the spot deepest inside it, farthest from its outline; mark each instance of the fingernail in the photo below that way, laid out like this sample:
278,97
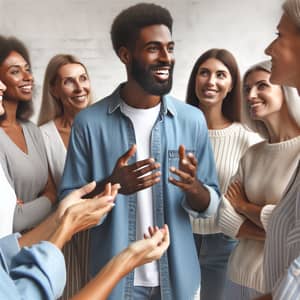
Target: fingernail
152,159
184,161
172,169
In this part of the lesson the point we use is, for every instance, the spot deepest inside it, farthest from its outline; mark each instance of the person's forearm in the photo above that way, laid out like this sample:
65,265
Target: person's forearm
249,230
200,199
29,214
101,286
252,212
43,231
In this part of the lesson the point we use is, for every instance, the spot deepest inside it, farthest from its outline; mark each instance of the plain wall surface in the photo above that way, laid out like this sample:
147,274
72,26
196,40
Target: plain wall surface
82,27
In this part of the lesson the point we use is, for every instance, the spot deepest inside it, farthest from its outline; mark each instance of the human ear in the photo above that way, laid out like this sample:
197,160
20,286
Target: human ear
124,55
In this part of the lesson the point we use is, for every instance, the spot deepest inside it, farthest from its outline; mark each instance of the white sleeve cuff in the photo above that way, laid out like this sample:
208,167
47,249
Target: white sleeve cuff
212,208
265,214
228,219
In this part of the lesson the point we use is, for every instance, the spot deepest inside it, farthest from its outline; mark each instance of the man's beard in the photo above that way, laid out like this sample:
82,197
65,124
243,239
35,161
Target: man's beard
143,76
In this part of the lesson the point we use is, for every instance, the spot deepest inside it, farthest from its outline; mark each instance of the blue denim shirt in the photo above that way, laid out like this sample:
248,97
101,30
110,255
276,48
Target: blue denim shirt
34,273
100,135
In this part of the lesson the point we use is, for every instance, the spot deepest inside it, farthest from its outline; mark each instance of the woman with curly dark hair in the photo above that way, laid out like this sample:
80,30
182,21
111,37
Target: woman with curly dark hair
22,151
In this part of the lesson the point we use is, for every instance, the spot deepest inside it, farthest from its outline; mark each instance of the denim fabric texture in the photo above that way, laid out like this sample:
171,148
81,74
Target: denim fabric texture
99,136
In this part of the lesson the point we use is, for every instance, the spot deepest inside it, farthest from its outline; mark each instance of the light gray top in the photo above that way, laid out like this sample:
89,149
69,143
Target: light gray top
55,149
27,174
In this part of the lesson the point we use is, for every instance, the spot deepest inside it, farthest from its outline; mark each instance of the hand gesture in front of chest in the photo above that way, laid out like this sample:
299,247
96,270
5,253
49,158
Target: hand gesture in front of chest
197,195
137,176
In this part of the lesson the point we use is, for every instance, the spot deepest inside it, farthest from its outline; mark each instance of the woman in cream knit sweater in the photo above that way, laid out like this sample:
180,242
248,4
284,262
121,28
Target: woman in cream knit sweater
263,174
214,87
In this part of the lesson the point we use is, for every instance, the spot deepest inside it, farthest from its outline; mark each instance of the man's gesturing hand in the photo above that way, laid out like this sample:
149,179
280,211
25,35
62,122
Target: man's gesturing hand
137,176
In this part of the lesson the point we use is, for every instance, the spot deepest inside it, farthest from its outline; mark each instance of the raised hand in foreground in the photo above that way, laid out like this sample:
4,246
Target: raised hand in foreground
152,247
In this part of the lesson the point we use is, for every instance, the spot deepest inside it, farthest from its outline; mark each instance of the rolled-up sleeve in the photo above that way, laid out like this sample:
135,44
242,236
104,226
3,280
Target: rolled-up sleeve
9,247
211,209
39,272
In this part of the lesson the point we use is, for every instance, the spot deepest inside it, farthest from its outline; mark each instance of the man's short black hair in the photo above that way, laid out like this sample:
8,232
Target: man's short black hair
126,26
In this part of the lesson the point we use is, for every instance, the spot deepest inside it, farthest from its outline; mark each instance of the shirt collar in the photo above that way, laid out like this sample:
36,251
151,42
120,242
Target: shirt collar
167,105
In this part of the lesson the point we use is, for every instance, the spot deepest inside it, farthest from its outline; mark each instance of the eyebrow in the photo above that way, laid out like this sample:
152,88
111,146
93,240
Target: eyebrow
206,68
18,66
258,82
261,81
71,77
159,43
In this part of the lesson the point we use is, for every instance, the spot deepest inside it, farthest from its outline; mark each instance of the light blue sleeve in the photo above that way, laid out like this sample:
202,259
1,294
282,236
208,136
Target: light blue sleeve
76,171
206,172
211,209
288,288
9,247
38,272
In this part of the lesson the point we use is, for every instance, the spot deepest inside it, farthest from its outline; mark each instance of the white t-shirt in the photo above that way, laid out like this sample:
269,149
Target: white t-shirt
143,121
7,205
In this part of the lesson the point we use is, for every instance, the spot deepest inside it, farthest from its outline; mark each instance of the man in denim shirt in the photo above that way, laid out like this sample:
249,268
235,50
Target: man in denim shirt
138,136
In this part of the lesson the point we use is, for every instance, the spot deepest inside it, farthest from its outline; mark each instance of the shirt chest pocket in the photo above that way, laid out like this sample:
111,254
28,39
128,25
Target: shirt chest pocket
173,157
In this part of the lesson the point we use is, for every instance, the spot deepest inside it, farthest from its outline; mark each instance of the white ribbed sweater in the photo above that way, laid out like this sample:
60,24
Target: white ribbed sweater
264,171
229,145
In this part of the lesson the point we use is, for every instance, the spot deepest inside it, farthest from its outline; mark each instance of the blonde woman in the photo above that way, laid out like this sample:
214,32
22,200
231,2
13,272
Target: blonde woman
66,91
264,172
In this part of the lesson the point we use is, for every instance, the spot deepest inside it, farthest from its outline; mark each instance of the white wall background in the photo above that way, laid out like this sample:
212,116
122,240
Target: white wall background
81,27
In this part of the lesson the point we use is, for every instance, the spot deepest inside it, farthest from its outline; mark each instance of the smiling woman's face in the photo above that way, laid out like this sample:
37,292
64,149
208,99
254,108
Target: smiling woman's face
213,82
284,51
72,87
15,73
264,98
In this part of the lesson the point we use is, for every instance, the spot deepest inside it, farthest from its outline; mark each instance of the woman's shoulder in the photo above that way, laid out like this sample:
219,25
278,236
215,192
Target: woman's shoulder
249,135
48,127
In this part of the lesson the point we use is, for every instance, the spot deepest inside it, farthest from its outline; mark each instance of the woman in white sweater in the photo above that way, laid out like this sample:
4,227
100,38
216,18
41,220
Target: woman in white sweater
262,177
66,91
215,88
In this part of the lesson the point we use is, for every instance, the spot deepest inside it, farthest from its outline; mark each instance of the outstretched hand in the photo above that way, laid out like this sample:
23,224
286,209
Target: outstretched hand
152,247
187,172
198,196
75,214
137,176
76,196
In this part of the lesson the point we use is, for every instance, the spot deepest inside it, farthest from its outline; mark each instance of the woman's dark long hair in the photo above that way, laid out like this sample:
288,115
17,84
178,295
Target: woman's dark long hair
231,106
